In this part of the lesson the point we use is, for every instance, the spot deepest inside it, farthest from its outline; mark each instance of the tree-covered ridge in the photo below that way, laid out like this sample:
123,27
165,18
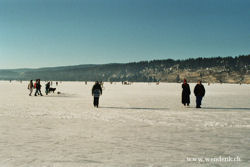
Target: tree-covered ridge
218,69
229,62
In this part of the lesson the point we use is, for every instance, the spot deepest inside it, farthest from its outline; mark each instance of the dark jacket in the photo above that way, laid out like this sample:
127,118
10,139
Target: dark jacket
199,90
47,86
38,85
185,93
96,87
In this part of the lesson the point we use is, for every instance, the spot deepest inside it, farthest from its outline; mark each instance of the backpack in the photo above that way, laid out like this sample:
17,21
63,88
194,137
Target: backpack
97,93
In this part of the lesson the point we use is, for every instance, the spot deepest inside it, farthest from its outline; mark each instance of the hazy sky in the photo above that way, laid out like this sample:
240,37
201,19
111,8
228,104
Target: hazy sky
41,33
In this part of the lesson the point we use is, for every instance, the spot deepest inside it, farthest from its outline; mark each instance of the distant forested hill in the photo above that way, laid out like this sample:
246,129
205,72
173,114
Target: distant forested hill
227,69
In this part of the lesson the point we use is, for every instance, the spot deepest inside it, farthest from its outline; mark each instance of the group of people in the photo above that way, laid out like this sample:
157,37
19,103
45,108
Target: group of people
199,92
96,90
37,86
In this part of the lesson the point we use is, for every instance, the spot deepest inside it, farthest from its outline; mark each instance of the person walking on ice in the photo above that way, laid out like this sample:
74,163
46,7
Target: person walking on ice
96,93
185,99
47,86
38,88
199,92
30,87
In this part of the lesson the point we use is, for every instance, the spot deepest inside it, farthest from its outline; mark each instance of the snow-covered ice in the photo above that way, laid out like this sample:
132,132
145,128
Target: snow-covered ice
138,125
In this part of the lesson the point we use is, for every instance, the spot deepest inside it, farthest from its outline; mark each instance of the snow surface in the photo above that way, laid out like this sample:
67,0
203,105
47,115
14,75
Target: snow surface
138,125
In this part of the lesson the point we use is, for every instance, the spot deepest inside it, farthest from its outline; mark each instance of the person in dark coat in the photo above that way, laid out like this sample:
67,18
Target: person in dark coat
199,92
185,93
96,93
38,88
47,86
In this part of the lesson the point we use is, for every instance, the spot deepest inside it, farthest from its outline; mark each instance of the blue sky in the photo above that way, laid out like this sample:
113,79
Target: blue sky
43,33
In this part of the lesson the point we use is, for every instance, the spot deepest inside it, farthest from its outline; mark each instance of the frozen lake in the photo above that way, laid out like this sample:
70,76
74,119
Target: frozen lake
139,125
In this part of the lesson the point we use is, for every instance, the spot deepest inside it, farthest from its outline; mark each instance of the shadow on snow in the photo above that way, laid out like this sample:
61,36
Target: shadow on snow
224,108
135,108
